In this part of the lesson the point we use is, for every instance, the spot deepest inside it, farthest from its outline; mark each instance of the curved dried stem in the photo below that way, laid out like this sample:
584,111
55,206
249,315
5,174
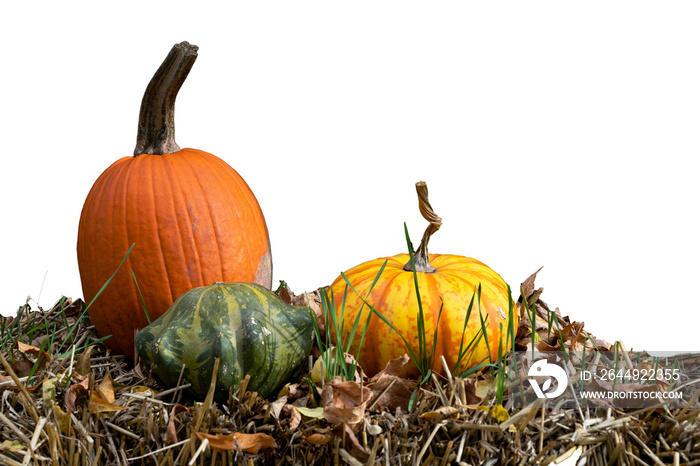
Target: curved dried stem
421,259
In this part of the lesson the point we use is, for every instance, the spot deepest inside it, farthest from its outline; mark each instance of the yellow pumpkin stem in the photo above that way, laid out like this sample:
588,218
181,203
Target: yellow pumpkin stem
156,134
420,258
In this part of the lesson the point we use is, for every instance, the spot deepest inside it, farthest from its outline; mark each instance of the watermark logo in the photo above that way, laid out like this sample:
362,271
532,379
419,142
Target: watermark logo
542,368
603,379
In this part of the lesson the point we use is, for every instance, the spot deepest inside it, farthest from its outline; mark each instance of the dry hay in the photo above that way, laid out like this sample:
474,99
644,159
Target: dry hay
65,400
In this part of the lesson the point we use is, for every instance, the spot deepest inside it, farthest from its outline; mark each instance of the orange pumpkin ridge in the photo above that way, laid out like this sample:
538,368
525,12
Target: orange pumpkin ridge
193,219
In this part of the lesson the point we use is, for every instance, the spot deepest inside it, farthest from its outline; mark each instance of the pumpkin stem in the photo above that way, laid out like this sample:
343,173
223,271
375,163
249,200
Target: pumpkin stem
420,258
156,133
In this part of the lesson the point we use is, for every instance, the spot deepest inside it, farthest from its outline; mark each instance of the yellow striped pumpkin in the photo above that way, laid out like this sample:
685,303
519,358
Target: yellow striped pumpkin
444,280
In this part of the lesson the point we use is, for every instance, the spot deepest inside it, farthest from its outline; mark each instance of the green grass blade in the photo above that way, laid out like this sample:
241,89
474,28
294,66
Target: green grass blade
110,278
533,321
84,346
143,302
561,337
435,339
512,332
39,360
464,331
351,338
411,354
82,314
420,320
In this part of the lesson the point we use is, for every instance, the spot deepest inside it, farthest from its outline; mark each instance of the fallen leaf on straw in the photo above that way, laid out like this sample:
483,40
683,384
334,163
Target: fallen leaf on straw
103,400
22,365
388,390
470,393
83,367
62,419
482,388
11,445
295,417
72,308
315,413
249,443
352,444
344,403
277,405
498,412
528,290
340,415
48,389
172,430
441,413
76,395
42,356
318,439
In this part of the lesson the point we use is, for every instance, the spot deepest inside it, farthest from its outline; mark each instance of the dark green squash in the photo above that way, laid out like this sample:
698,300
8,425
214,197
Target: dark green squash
247,326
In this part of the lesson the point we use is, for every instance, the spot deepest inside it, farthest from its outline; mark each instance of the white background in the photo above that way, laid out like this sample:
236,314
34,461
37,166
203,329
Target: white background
550,134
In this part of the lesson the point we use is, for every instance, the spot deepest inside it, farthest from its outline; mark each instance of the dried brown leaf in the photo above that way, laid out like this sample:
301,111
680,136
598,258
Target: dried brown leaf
84,363
470,392
574,336
313,301
600,344
388,390
293,391
104,391
76,395
528,288
25,348
351,416
72,308
276,406
249,443
318,438
284,292
302,402
22,365
351,443
295,417
8,321
140,371
344,394
393,367
344,402
62,419
544,346
42,356
172,430
100,406
482,388
441,413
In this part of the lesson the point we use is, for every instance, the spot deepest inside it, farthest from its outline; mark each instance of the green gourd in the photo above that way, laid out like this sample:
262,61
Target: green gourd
246,325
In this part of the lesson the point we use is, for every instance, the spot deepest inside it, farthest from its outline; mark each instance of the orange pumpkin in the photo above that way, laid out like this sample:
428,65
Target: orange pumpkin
444,280
192,218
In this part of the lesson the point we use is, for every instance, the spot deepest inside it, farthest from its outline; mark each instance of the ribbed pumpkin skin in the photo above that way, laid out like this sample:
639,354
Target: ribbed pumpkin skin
247,326
194,221
394,297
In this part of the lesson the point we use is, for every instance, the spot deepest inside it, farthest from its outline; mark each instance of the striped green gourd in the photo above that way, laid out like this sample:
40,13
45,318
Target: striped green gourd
247,326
